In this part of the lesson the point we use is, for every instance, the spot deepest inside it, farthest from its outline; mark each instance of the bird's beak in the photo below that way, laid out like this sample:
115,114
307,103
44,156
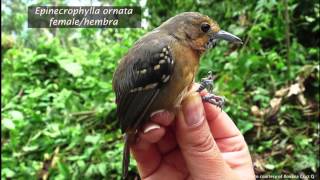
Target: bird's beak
224,35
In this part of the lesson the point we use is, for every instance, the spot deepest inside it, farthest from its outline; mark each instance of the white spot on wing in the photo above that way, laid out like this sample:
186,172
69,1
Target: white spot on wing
168,60
143,71
162,61
156,67
133,90
150,86
166,79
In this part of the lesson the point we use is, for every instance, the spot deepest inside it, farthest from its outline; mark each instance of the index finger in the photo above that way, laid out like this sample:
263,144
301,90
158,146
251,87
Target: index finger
220,123
230,141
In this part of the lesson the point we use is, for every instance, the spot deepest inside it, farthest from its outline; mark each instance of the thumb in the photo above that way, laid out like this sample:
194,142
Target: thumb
196,142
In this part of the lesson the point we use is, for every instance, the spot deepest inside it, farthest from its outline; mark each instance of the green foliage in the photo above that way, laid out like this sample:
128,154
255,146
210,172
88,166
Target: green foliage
58,110
56,96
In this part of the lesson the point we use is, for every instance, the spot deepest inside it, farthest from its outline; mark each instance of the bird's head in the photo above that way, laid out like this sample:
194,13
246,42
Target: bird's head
197,30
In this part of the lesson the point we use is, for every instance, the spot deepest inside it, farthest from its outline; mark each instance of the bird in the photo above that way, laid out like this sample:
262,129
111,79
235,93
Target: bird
160,69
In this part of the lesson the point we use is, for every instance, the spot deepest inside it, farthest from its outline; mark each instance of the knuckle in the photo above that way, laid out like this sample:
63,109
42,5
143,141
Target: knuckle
204,144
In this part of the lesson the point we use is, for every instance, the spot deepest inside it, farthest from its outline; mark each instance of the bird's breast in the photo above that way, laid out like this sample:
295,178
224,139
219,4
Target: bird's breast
186,63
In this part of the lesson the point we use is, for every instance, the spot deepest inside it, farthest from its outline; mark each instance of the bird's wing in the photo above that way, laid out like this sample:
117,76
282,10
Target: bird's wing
138,80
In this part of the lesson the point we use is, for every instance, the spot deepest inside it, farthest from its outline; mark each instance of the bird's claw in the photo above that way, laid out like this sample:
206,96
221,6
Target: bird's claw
214,99
206,83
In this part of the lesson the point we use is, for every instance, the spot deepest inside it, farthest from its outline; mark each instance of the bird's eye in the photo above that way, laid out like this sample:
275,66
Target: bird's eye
205,27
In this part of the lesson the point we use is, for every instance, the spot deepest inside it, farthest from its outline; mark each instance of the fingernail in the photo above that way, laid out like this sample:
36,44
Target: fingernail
151,126
193,109
157,112
163,116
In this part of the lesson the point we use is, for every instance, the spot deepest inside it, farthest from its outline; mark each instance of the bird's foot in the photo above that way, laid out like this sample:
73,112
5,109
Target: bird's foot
214,99
206,83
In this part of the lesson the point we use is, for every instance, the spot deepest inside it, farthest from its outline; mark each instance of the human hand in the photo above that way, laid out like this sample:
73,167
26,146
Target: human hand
203,143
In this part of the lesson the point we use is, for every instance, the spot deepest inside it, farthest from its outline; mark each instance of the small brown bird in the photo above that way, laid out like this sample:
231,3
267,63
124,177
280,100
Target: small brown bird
159,71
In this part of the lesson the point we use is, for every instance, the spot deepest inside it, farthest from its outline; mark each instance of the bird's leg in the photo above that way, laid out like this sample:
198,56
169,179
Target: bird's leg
207,83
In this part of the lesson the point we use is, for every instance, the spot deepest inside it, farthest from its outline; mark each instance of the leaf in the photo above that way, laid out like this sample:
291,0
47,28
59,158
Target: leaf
92,139
310,19
16,115
91,170
306,161
63,169
76,158
275,103
30,148
7,172
295,89
52,130
8,123
269,166
81,164
75,69
102,167
244,126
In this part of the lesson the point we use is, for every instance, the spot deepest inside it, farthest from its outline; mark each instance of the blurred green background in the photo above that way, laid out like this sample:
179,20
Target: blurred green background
57,105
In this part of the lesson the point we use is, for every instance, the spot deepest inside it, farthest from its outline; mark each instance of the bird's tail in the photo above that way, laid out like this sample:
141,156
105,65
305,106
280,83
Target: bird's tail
128,138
